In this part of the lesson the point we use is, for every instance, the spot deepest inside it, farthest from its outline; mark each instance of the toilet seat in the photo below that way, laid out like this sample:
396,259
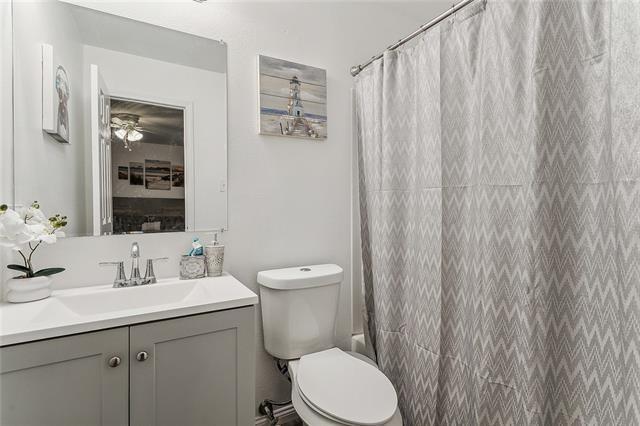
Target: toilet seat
345,389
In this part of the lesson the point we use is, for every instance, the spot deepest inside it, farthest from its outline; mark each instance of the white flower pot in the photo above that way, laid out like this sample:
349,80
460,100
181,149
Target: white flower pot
28,289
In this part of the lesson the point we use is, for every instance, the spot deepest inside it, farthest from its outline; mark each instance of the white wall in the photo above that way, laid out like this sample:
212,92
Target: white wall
289,199
48,171
6,118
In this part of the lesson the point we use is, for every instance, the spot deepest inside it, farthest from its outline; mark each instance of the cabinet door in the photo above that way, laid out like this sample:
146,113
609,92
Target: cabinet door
196,370
66,381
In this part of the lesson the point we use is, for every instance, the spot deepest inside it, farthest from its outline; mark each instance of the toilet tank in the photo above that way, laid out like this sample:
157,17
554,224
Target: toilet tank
299,307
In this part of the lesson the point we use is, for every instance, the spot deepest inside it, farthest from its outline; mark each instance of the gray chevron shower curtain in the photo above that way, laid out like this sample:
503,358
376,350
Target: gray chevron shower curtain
499,162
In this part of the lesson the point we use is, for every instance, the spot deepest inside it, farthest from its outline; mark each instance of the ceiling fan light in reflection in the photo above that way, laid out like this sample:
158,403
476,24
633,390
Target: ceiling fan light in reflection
134,136
121,133
126,129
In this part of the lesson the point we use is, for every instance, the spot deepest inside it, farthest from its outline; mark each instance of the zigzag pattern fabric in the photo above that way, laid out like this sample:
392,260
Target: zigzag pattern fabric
499,162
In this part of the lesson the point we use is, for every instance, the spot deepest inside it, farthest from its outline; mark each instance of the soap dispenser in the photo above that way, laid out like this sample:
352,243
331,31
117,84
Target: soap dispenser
214,252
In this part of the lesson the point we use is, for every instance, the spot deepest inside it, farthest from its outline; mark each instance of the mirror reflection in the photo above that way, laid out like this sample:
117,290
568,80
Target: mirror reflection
119,124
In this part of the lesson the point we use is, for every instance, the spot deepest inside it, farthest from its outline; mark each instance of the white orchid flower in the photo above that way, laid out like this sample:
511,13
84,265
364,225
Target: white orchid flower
14,233
19,229
48,238
33,216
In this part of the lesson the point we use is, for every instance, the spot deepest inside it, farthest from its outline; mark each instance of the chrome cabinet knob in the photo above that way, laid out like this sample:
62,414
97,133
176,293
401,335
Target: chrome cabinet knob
142,356
114,361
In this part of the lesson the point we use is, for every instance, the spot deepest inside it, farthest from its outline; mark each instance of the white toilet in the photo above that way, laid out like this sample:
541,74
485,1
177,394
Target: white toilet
329,386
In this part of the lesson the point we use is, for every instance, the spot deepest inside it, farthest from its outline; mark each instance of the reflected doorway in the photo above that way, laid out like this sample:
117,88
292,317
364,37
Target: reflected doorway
148,167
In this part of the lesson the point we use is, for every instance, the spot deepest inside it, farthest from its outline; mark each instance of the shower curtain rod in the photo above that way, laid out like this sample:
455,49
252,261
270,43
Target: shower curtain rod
355,70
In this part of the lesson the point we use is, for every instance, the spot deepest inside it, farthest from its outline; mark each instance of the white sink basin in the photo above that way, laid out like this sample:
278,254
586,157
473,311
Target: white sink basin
127,298
94,308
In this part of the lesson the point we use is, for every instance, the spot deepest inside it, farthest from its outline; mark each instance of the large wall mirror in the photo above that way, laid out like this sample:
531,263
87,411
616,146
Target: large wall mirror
118,124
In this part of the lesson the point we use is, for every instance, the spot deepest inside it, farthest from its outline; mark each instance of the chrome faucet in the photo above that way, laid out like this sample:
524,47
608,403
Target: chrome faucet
135,278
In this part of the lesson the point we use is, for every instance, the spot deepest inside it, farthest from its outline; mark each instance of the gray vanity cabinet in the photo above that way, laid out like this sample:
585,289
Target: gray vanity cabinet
195,370
66,381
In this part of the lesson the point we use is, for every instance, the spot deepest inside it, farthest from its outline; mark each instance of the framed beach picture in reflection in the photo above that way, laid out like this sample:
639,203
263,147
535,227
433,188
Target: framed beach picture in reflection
177,176
157,175
136,174
293,99
123,172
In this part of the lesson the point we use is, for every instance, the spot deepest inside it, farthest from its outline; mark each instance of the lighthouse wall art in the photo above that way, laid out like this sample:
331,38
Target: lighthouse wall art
293,99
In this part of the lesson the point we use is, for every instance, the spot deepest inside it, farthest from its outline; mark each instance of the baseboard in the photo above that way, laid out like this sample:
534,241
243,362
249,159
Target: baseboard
284,414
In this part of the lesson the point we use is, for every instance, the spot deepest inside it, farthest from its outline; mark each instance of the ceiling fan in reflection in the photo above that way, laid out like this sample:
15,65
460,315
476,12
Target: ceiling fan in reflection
125,127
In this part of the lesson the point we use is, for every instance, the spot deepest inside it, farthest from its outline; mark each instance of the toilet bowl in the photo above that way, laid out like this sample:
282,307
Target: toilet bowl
326,407
329,386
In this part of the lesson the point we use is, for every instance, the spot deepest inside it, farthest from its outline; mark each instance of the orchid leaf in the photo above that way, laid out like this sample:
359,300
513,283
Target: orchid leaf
19,268
48,271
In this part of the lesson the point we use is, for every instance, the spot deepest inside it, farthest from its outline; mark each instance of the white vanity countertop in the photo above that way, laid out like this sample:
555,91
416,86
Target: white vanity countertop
99,307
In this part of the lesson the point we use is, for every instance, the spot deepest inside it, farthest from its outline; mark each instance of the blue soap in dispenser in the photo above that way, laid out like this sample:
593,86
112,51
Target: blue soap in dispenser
196,248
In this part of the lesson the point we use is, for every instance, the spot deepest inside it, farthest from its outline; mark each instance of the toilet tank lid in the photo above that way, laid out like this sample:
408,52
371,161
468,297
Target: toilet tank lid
301,277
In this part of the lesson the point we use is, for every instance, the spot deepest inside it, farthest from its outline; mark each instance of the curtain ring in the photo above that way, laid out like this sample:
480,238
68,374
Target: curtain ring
453,13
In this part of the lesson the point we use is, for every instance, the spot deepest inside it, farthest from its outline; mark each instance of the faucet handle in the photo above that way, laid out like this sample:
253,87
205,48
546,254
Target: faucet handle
121,278
149,275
